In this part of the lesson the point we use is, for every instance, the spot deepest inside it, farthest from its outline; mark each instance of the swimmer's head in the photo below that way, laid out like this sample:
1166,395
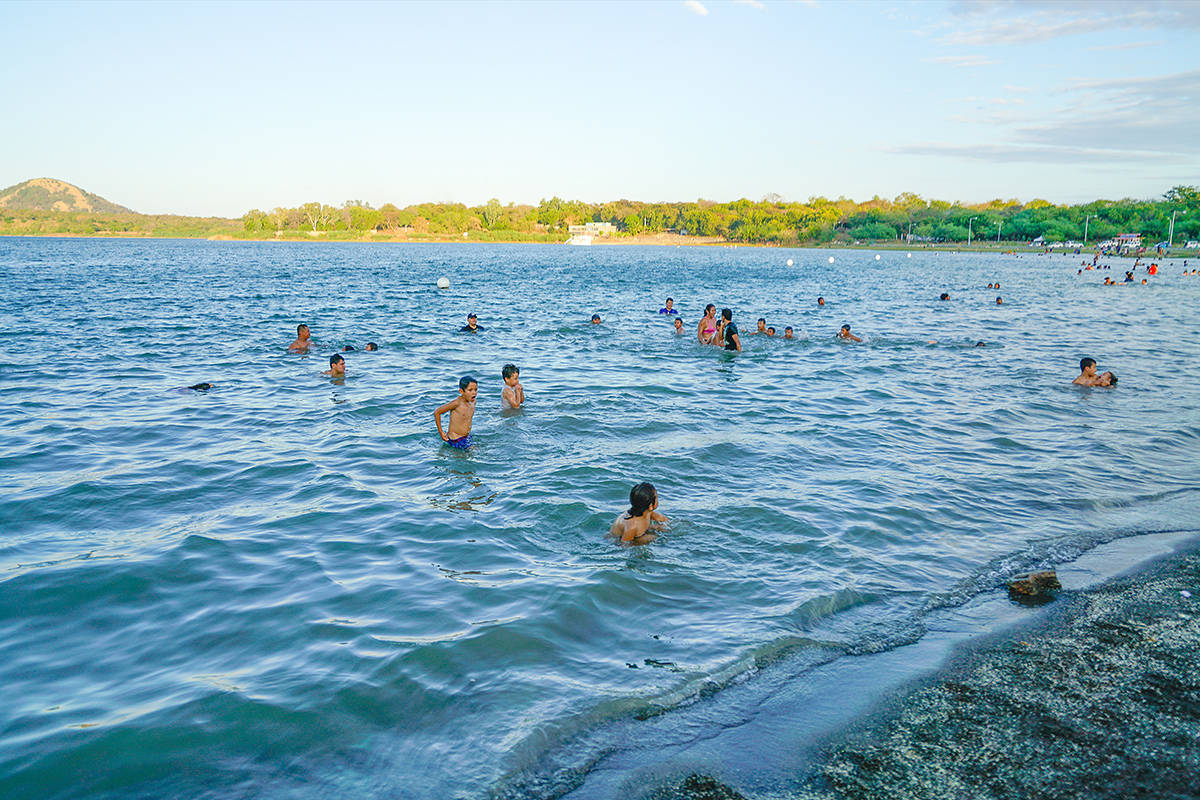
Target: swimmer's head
472,317
595,319
726,315
642,498
371,346
981,343
336,359
337,365
820,301
770,331
845,329
678,323
467,385
670,302
301,330
999,301
348,348
945,296
510,373
1108,379
997,286
1087,364
710,307
787,332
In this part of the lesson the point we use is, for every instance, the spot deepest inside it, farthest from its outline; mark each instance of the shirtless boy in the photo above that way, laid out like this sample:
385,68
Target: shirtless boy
337,367
845,333
636,526
1087,373
512,396
462,411
303,339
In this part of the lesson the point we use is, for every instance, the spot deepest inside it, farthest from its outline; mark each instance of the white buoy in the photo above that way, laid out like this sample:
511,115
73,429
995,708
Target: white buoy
910,255
443,283
831,259
876,258
790,262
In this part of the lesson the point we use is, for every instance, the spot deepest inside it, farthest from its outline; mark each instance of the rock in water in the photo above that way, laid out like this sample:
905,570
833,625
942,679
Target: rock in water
1036,587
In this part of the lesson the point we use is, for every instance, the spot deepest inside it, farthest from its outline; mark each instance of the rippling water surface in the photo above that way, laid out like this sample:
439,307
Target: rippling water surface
287,586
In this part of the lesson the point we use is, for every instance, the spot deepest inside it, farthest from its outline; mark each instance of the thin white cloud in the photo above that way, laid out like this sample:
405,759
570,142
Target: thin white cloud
751,3
1127,46
987,22
1007,153
1010,88
962,61
696,7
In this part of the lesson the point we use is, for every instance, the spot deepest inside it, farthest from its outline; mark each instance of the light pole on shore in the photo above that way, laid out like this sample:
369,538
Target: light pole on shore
1171,235
1086,217
999,225
972,219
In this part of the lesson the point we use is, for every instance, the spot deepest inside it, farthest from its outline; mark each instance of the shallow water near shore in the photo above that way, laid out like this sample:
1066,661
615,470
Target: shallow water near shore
288,586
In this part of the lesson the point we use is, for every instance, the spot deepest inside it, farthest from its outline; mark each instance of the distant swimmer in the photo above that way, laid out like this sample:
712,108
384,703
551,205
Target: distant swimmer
981,343
761,330
990,286
347,348
642,521
1087,373
678,326
512,396
303,339
845,333
595,319
668,307
770,331
337,367
472,325
999,301
944,296
787,332
371,347
1129,276
462,411
820,301
706,331
997,284
730,331
1107,379
200,387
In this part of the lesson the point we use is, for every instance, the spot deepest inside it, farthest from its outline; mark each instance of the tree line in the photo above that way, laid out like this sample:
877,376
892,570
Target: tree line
768,221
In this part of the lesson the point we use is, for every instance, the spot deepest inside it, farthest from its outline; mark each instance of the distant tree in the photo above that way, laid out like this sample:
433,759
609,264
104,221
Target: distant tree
492,213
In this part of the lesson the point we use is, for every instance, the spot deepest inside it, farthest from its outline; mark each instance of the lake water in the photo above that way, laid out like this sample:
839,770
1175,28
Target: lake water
288,586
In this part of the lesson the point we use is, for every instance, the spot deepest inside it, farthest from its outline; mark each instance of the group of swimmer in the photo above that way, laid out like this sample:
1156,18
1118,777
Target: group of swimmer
1151,269
642,521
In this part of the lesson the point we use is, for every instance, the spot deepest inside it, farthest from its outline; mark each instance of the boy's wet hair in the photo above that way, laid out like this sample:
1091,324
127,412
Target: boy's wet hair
200,387
371,346
300,327
465,381
335,359
846,328
348,348
762,320
770,330
670,300
788,328
726,314
1084,363
508,370
595,317
944,296
641,497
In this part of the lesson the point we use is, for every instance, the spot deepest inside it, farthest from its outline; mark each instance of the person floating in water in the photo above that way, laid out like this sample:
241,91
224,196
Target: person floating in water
706,331
347,348
637,525
1087,373
472,325
371,347
730,331
512,396
999,301
303,339
337,367
678,326
200,387
462,411
944,296
820,301
668,307
845,333
595,319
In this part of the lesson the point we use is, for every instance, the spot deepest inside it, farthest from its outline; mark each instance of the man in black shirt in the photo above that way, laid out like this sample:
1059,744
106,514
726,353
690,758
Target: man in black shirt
732,340
472,324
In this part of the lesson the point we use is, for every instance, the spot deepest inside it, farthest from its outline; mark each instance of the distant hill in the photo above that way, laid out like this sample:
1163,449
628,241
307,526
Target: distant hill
48,194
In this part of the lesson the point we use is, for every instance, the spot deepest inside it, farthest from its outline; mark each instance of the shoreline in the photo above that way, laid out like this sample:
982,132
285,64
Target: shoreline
661,240
1096,694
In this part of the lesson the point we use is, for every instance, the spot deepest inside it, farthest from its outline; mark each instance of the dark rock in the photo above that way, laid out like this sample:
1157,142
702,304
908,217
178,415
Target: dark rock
1036,587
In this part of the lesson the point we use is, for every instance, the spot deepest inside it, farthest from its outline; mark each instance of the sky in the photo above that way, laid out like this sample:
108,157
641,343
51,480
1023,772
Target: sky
219,107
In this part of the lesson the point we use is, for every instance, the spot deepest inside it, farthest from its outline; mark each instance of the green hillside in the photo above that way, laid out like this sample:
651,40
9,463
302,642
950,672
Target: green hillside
49,194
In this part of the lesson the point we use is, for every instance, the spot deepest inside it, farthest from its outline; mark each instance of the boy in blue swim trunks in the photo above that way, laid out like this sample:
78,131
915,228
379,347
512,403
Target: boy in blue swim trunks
462,411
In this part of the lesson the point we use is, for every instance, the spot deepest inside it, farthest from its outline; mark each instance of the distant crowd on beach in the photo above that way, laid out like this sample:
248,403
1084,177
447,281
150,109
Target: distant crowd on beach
640,523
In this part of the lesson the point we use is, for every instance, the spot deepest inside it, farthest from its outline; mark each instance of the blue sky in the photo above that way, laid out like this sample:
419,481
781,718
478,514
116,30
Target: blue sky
215,108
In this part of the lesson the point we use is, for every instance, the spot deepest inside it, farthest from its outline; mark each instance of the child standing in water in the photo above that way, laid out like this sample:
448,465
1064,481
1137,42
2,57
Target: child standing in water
462,411
636,526
512,396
